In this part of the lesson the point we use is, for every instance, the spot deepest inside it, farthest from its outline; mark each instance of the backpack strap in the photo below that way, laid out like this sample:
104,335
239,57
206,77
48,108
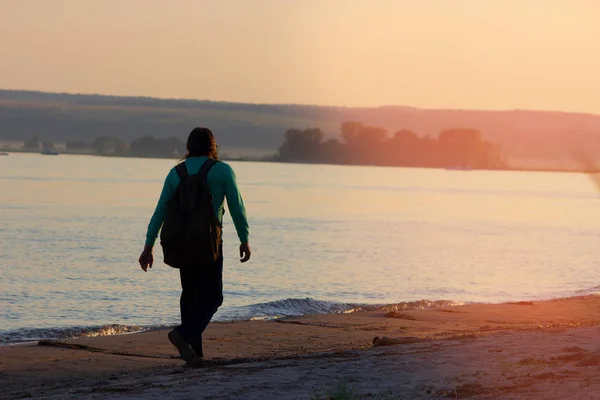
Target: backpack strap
203,173
181,170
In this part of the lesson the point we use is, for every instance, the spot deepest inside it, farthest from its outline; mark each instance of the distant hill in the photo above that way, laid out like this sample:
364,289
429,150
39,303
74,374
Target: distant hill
529,138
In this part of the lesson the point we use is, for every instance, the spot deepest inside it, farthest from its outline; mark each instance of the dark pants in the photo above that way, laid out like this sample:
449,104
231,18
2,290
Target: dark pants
201,296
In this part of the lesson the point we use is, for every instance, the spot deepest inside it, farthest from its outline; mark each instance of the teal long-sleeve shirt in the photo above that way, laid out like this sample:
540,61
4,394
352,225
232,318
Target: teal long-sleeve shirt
222,185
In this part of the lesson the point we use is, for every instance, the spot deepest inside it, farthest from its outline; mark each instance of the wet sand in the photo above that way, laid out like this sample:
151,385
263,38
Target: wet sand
537,350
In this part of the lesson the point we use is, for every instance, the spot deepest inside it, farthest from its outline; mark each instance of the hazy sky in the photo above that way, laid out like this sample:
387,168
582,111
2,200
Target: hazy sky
496,54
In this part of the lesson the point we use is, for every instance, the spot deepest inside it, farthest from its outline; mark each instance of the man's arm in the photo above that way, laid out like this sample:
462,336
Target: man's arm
146,258
160,212
235,203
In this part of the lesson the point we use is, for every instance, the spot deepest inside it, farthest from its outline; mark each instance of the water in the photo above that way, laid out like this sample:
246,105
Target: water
324,239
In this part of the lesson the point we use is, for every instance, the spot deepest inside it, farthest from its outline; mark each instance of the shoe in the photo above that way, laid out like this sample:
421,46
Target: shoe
197,362
198,352
185,350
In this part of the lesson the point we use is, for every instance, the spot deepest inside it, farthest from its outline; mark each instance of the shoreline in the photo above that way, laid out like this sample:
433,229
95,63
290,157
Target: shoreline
268,159
117,329
486,348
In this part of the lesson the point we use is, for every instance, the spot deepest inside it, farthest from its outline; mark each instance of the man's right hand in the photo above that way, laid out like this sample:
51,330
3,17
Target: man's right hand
146,258
245,252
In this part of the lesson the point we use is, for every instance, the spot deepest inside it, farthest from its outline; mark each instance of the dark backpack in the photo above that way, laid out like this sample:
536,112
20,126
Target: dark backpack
191,234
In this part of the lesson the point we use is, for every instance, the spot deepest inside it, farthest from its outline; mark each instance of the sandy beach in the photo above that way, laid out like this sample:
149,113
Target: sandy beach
525,350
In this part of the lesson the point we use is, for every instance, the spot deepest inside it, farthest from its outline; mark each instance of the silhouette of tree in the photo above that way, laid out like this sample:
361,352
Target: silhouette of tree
364,143
403,147
302,145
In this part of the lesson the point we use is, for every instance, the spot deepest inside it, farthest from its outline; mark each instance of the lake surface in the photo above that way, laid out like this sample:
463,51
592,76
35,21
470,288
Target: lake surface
324,238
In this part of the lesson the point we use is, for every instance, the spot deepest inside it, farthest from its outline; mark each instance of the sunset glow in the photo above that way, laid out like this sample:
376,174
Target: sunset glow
537,54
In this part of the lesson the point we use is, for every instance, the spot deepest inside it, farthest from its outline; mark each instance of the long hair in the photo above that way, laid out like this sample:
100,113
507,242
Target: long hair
201,142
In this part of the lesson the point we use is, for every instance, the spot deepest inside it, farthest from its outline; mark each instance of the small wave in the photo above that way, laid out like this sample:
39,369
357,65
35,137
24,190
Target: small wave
595,290
289,307
296,307
35,334
412,305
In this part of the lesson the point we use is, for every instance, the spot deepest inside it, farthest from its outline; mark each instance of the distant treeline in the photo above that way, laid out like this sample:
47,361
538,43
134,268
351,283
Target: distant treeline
360,145
147,146
369,145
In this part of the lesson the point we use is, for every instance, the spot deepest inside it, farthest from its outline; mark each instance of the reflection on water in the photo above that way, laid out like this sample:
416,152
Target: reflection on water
72,227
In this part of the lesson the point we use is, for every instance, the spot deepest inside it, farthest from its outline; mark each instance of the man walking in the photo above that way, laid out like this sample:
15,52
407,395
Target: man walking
190,212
